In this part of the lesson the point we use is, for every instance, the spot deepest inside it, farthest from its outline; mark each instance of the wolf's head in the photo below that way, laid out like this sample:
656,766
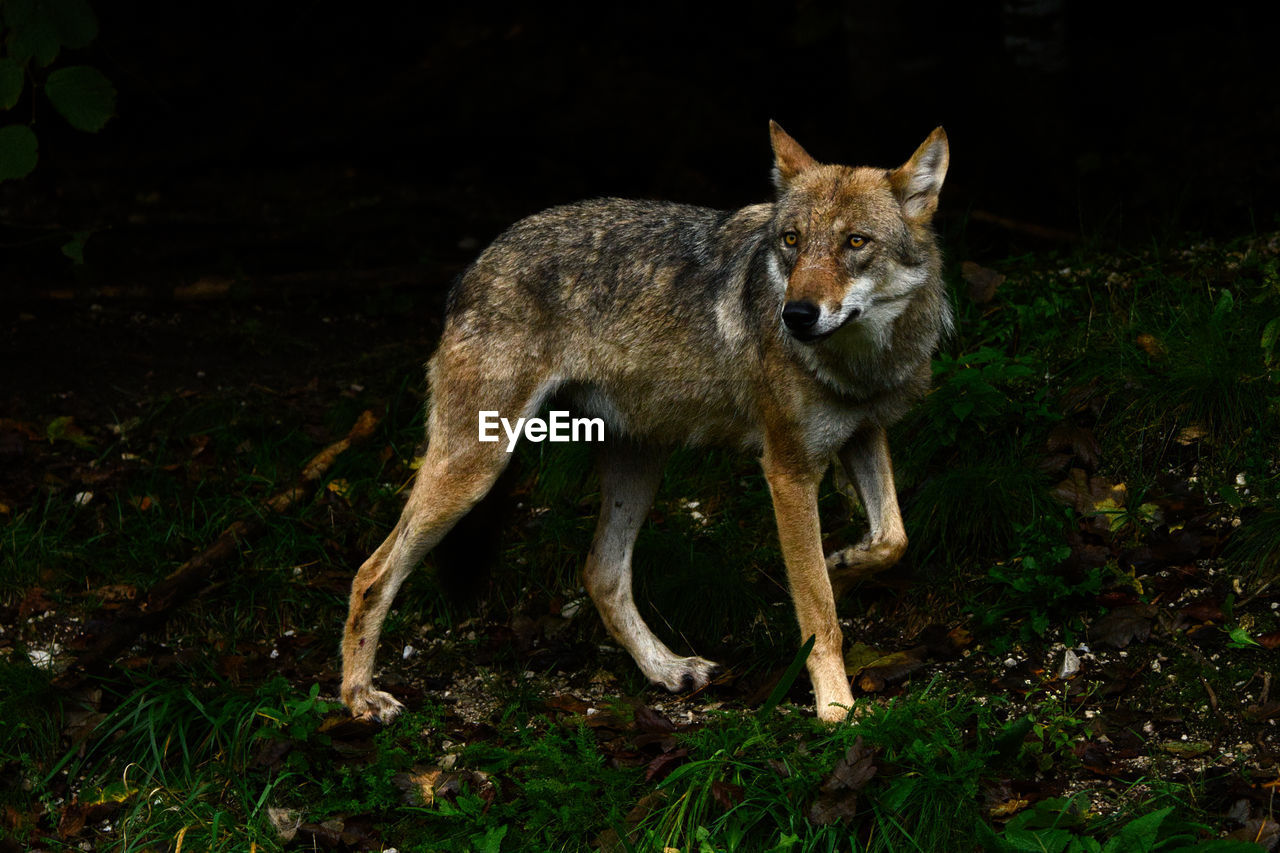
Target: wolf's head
852,246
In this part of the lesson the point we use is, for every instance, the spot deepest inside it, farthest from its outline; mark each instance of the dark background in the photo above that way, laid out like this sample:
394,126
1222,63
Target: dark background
444,123
315,156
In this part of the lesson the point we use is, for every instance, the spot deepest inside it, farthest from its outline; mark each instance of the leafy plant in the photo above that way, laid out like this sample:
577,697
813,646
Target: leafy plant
35,33
1040,588
1060,825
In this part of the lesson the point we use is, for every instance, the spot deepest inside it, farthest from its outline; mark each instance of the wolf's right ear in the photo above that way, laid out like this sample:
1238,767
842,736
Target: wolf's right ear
789,159
918,181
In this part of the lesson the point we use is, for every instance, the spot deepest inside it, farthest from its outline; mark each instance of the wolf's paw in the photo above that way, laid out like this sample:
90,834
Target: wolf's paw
849,565
685,675
369,704
867,557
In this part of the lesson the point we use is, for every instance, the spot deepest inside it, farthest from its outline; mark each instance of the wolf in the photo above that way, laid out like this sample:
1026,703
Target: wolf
797,330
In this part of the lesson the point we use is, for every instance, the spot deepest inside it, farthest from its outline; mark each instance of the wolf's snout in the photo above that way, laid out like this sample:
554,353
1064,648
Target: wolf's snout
800,316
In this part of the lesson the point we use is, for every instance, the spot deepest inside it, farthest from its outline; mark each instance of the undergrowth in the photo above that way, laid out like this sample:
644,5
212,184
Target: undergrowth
1120,375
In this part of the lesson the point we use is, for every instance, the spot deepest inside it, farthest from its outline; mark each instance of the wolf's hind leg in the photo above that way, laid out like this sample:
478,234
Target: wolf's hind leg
865,459
444,490
457,472
629,478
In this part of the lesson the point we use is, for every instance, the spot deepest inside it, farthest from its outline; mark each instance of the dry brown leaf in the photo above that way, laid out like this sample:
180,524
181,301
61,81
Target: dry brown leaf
652,722
1191,434
1260,713
1089,495
1270,640
838,797
1259,830
35,601
889,668
1151,345
983,282
726,794
666,762
1204,611
425,785
1080,441
1123,625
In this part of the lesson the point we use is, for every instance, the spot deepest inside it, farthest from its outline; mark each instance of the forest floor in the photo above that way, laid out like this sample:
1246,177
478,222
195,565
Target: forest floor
1080,648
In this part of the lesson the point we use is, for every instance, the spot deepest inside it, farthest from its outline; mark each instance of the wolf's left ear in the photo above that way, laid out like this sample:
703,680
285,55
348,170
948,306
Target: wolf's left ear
918,181
789,159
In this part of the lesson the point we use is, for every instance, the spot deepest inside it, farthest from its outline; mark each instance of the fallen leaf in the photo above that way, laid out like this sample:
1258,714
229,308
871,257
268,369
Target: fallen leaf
1204,611
859,656
872,677
609,841
65,429
1269,641
651,722
425,785
1189,435
1187,748
25,428
1266,711
1080,441
1123,625
659,767
568,703
1151,345
35,601
983,282
77,815
1259,830
941,643
1008,808
726,794
339,835
1090,496
838,797
116,592
284,821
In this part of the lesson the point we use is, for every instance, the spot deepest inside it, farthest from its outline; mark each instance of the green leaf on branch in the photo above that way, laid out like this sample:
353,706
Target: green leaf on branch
74,248
83,95
18,151
74,22
30,32
39,29
11,77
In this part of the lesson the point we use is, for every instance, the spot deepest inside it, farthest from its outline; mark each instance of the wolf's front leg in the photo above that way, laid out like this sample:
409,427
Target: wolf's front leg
865,460
629,477
795,504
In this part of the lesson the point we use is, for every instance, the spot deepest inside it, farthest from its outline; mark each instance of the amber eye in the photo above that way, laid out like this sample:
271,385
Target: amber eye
790,238
857,241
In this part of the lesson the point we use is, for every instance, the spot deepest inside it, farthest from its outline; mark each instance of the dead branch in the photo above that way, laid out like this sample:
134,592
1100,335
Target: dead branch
1030,229
195,574
215,288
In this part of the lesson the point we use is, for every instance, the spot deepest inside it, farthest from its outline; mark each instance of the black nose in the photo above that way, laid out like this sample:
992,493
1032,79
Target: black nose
800,316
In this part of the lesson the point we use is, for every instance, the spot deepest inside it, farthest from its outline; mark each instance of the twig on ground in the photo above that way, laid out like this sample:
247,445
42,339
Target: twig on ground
200,570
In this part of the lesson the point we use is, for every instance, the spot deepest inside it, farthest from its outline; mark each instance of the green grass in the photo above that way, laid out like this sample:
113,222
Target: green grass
1168,360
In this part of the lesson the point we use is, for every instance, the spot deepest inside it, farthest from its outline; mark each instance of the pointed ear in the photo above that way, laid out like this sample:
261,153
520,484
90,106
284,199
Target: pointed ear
917,182
789,159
